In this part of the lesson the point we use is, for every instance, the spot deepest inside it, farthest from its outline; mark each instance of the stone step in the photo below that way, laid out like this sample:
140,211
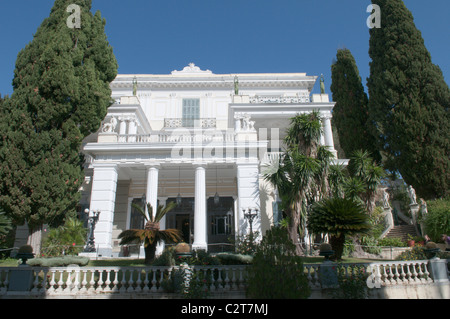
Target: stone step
402,231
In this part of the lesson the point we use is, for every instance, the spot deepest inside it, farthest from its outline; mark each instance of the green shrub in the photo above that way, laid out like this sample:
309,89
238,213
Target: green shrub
415,253
58,261
234,259
276,272
200,258
67,239
391,242
167,258
246,245
352,282
437,221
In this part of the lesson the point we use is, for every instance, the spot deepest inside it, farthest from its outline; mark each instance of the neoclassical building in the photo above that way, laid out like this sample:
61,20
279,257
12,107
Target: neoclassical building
199,139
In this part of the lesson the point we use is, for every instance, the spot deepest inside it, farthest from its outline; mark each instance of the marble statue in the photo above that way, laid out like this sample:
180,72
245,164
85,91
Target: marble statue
236,85
386,199
322,85
412,195
110,126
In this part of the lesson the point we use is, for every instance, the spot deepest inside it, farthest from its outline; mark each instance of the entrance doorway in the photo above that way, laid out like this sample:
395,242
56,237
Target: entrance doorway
183,224
181,218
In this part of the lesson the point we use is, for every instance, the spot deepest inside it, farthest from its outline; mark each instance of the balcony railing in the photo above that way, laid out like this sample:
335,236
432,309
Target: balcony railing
190,123
279,99
179,137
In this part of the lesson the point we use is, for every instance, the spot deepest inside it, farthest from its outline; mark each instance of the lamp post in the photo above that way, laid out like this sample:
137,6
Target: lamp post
250,216
92,221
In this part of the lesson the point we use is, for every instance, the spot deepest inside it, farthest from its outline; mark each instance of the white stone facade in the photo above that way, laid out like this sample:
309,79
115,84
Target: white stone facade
193,134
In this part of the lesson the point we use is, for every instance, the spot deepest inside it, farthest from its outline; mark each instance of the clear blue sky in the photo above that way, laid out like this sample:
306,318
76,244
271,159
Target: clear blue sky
229,36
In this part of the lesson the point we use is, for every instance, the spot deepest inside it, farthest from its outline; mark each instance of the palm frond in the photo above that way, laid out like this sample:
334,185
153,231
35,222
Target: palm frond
139,209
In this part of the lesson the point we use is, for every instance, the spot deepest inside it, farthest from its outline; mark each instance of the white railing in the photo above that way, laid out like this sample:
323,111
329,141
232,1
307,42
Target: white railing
190,123
400,273
279,99
178,137
126,280
272,157
122,280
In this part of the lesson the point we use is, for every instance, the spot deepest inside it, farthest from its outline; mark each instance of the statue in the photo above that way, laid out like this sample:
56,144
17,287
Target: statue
236,85
111,126
412,195
423,207
386,199
135,84
322,84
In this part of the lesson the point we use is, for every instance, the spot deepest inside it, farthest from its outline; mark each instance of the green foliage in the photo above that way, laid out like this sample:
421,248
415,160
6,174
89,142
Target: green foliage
276,272
5,224
302,171
234,259
409,102
415,253
151,235
67,239
196,285
437,221
350,113
391,242
201,258
339,217
61,95
352,282
246,244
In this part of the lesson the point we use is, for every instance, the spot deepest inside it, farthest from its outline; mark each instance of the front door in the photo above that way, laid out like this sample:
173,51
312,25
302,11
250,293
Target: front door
181,218
183,224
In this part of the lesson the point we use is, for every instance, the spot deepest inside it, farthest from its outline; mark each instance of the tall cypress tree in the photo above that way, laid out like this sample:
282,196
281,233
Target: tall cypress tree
409,102
350,114
61,95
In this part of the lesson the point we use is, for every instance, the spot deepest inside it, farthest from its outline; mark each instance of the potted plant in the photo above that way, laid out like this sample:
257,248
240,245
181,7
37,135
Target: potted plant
411,242
419,240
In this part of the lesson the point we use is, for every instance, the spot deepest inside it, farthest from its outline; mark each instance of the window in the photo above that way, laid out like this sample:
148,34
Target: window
137,220
191,112
221,225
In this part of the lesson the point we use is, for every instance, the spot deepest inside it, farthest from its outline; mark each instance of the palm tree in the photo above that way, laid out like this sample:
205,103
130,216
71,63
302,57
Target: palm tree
151,235
339,217
301,172
361,166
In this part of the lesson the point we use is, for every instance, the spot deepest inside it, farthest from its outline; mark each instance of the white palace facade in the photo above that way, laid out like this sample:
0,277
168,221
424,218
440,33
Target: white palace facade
199,139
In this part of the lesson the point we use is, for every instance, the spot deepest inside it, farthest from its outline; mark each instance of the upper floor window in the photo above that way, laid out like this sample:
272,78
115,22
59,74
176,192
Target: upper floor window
191,112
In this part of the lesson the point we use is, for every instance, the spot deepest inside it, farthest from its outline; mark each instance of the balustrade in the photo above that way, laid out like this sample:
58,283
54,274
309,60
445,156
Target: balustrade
147,280
277,99
178,137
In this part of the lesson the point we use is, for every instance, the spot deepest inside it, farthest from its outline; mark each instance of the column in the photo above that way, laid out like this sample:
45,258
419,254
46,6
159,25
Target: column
328,132
122,129
200,217
162,226
132,130
248,193
152,188
103,198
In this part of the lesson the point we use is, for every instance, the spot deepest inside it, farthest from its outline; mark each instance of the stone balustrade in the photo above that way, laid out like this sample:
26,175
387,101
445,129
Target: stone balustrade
91,281
176,137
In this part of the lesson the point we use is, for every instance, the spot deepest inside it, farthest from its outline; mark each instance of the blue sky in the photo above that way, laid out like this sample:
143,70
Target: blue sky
229,36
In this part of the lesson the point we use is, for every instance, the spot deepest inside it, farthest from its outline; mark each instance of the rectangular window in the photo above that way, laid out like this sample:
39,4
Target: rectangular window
221,225
191,112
